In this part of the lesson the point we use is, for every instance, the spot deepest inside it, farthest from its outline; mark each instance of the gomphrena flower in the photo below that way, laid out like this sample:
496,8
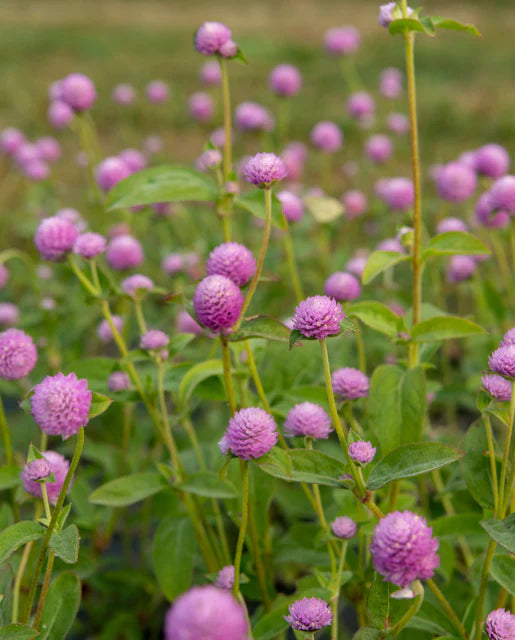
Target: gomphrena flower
387,15
77,91
309,614
18,354
154,339
398,123
104,331
355,203
9,314
318,317
502,194
344,527
451,224
362,451
36,170
137,285
360,105
294,156
49,149
217,302
59,114
307,419
340,41
508,338
390,82
403,548
327,136
124,252
134,159
55,238
210,37
225,577
502,361
399,194
487,216
11,140
184,323
492,160
232,260
250,116
118,381
124,94
210,73
497,386
500,625
89,245
157,91
206,612
251,433
293,207
58,466
264,169
285,80
342,286
201,106
60,404
4,275
110,172
38,469
173,263
210,159
378,148
460,268
456,182
350,384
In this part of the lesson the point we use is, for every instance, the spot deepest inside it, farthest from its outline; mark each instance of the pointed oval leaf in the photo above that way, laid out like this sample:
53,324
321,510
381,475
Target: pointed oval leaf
377,316
380,261
99,404
301,465
453,243
196,375
444,328
17,535
65,544
502,531
128,489
208,485
475,466
502,570
264,327
448,23
254,202
61,607
403,25
17,631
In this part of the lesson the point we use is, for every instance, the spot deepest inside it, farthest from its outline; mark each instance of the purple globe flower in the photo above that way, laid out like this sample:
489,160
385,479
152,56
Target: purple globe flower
55,238
360,105
18,354
460,268
502,361
251,116
78,91
210,73
206,612
307,419
157,92
293,207
217,302
309,614
451,224
391,244
492,160
26,154
327,136
201,106
486,215
36,170
344,527
58,466
225,577
390,83
379,148
118,381
4,275
318,317
9,313
133,159
137,285
502,194
104,331
362,451
110,172
173,263
508,338
89,245
285,80
497,386
500,625
340,41
59,114
398,123
124,94
355,203
153,144
60,404
264,169
38,469
342,286
356,265
456,182
154,339
210,37
387,13
11,140
49,149
403,548
186,324
210,159
232,260
399,194
350,384
294,156
251,433
124,252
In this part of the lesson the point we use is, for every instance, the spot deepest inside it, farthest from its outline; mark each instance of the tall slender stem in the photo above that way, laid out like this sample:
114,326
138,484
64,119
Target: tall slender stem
258,561
6,436
44,495
229,387
227,119
480,607
292,264
44,589
21,569
448,609
255,377
244,468
504,488
336,591
491,454
142,325
418,589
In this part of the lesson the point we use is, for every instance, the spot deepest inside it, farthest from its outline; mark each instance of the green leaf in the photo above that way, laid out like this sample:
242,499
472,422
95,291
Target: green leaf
455,243
173,552
502,570
272,624
254,202
397,405
18,632
66,544
411,460
380,261
377,316
99,404
444,328
196,375
460,524
95,370
295,337
161,184
378,602
366,633
301,465
179,342
61,607
323,208
208,485
9,477
475,466
261,327
502,531
409,24
447,23
18,535
128,489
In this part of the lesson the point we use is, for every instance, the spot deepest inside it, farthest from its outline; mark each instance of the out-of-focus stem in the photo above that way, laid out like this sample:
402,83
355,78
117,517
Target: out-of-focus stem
491,454
6,436
244,468
229,387
292,264
505,487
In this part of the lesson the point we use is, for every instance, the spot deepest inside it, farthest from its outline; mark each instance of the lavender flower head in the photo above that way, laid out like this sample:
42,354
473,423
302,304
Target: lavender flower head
9,313
502,361
124,252
486,215
89,245
398,123
340,41
217,302
210,159
201,106
360,105
58,466
456,182
124,94
318,317
251,433
118,381
508,338
49,149
157,91
378,148
387,13
451,224
355,203
206,612
500,625
403,548
492,160
502,194
285,80
60,404
399,194
362,451
251,116
104,331
55,238
232,260
497,386
135,160
210,73
59,114
327,136
309,614
342,286
293,207
460,268
350,384
210,37
78,91
18,354
38,469
390,82
225,577
264,170
110,172
307,419
344,527
137,285
184,323
11,140
154,339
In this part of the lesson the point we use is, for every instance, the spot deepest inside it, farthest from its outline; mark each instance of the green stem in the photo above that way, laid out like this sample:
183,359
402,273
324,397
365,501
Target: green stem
244,468
258,561
227,119
167,431
480,607
418,589
505,490
44,494
85,281
362,358
336,591
292,265
448,609
229,387
491,454
6,436
142,325
255,377
44,589
21,569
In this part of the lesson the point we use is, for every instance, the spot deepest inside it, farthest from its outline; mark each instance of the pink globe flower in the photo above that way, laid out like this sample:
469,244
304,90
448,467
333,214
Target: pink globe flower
502,361
344,527
309,614
137,285
36,170
340,41
451,224
60,404
399,194
251,116
356,264
157,92
251,433
38,469
26,154
11,140
294,157
18,354
124,94
398,123
307,420
78,91
217,302
264,170
110,172
133,159
379,148
118,381
173,264
342,286
225,577
390,83
55,238
508,338
487,216
210,73
403,548
232,260
49,149
210,37
502,194
327,136
9,313
58,466
500,625
497,386
361,105
318,317
124,252
201,106
104,331
210,159
460,268
89,245
350,384
154,339
456,182
362,451
391,244
153,144
492,160
355,203
59,114
285,80
293,207
186,324
387,13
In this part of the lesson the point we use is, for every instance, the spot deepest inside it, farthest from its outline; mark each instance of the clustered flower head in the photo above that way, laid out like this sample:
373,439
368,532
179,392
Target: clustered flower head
89,245
460,268
488,216
403,548
184,323
327,136
55,238
232,260
502,361
350,384
110,172
500,625
318,317
309,614
307,419
225,577
118,381
492,160
360,105
157,91
57,464
342,286
77,91
451,224
250,116
210,73
340,41
154,339
136,285
355,203
18,354
399,193
38,469
378,148
264,170
387,13
251,433
390,82
206,612
211,37
60,404
124,252
9,313
104,331
502,194
497,386
201,106
217,302
456,182
285,80
508,338
362,451
293,207
124,94
344,527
